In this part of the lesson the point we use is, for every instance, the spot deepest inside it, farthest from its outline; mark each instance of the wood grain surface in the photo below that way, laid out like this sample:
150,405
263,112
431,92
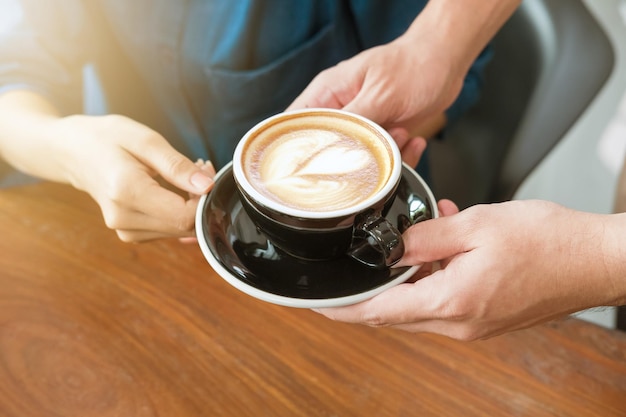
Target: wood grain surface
91,326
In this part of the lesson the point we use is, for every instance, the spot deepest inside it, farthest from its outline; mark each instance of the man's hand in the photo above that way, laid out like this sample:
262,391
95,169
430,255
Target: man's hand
504,267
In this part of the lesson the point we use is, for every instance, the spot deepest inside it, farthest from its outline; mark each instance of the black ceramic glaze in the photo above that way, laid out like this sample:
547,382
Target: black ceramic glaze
249,256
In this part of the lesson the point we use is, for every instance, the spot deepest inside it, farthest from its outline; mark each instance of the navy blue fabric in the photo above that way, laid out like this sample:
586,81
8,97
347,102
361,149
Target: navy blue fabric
214,68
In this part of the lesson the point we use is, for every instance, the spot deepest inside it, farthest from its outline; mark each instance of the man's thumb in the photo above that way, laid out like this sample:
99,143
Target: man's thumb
432,240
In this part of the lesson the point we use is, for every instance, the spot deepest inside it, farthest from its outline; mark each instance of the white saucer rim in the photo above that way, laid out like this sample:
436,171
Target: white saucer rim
290,301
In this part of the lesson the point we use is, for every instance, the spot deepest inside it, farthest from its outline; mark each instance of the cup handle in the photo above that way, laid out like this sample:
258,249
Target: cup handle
376,242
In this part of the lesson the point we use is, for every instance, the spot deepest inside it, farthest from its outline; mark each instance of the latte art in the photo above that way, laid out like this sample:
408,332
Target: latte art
317,170
317,163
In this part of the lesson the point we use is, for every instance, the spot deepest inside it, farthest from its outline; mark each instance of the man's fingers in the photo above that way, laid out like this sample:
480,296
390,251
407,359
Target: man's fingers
413,150
447,207
434,239
323,91
405,303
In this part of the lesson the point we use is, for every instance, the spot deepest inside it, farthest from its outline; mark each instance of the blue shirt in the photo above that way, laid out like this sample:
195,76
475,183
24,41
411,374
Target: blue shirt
201,72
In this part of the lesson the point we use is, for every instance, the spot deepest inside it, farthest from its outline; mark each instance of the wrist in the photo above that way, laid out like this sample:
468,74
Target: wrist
612,254
596,266
29,140
581,255
68,138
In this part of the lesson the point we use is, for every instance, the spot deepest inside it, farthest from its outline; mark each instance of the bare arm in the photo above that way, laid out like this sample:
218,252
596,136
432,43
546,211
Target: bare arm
115,159
506,266
26,137
461,29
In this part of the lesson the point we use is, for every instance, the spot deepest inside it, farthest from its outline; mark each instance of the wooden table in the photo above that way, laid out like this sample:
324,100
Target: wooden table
91,326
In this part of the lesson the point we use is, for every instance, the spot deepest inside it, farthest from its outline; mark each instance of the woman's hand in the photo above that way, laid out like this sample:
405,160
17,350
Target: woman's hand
144,187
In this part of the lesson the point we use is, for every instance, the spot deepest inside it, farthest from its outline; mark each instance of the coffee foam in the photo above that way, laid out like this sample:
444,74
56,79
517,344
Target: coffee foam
318,163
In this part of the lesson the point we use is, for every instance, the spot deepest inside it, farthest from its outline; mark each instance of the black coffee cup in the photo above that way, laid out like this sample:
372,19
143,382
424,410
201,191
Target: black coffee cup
318,183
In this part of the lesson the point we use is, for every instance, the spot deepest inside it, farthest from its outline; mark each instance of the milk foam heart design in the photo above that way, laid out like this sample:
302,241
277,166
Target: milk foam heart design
318,169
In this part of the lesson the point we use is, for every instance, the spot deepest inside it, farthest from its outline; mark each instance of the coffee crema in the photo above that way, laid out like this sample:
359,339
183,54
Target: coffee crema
318,162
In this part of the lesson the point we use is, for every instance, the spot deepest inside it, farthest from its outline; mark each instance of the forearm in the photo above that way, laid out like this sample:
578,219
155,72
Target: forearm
461,28
28,136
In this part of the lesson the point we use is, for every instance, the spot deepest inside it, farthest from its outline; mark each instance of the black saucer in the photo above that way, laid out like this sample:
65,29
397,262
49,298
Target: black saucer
245,258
